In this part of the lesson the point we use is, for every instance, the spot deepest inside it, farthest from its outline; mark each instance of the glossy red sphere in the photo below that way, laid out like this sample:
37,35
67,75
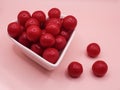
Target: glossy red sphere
75,69
99,68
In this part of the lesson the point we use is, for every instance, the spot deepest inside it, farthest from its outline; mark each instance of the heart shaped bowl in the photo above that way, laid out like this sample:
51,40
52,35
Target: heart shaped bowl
44,63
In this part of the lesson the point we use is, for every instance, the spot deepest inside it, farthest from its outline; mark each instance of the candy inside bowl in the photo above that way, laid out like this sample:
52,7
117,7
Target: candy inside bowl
43,40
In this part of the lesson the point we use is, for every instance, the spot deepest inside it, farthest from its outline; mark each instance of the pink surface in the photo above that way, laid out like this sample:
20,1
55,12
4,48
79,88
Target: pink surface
98,21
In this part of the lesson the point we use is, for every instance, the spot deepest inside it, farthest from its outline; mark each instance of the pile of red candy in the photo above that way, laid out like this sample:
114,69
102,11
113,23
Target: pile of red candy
45,35
48,36
99,67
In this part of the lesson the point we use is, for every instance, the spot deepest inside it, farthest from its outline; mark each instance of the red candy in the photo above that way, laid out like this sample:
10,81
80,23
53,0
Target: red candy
31,21
51,55
33,33
37,49
24,40
55,21
53,29
40,16
23,16
75,69
47,37
54,13
60,42
65,34
47,40
14,29
69,22
93,50
99,68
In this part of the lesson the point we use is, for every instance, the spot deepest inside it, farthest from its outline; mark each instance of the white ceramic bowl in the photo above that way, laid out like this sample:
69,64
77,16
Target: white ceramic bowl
44,63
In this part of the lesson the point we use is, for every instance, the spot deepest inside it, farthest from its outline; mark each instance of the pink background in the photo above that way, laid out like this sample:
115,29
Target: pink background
98,21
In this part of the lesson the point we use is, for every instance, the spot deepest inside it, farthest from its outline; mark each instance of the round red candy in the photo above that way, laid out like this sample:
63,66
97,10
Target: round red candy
99,68
65,34
24,40
75,69
40,16
37,49
32,21
69,22
14,29
60,42
93,50
33,33
54,13
51,55
53,29
47,40
56,21
23,16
